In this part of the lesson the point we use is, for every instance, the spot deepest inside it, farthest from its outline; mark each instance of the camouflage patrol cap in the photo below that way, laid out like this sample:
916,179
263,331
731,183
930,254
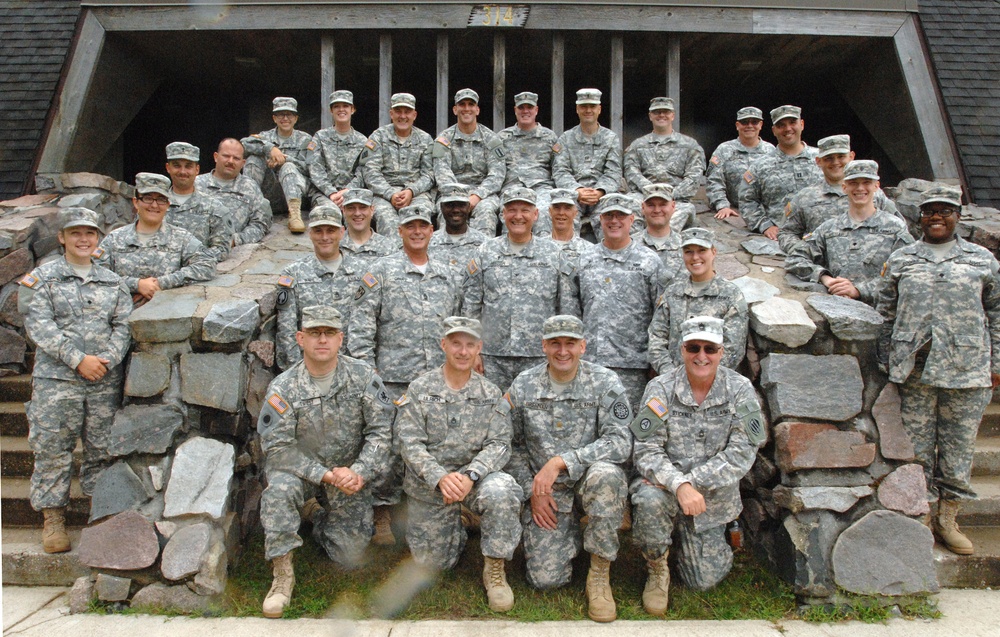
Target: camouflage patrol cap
359,195
662,191
942,193
784,112
282,104
466,94
834,145
562,195
519,194
326,214
453,192
152,182
617,201
588,96
861,169
74,216
343,97
321,316
403,99
463,325
749,112
562,325
414,212
698,237
526,97
702,328
661,104
183,150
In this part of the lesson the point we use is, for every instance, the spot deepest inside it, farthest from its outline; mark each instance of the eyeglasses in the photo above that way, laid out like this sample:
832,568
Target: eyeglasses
694,348
331,333
150,200
944,214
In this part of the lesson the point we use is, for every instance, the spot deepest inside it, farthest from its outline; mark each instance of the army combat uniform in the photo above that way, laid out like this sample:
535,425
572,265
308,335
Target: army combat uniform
669,251
770,183
529,157
333,160
476,160
390,164
172,255
204,217
293,175
589,161
674,159
725,171
455,249
375,248
813,205
248,211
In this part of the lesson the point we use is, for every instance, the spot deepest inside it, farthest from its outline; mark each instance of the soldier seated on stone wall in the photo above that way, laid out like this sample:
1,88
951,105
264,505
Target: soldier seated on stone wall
151,255
454,431
194,210
334,159
248,211
76,312
685,488
731,159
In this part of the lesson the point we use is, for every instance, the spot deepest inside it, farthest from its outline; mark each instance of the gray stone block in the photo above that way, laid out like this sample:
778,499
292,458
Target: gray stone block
200,479
230,321
224,281
782,320
755,290
885,553
211,578
849,320
126,542
183,554
905,490
111,588
818,387
148,375
213,380
813,535
81,595
12,346
894,442
837,499
762,246
796,283
117,489
729,267
166,318
170,598
144,429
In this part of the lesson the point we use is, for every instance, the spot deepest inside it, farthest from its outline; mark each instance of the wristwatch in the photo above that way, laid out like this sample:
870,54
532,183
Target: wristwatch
473,475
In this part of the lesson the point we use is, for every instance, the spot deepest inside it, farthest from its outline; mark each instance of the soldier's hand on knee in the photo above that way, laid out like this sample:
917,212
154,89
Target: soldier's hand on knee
543,511
344,479
338,197
92,367
691,500
454,487
277,158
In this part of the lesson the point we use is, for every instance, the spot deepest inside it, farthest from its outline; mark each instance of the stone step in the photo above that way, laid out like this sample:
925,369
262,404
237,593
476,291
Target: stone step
16,510
17,458
13,420
990,424
25,563
15,389
981,570
984,510
986,461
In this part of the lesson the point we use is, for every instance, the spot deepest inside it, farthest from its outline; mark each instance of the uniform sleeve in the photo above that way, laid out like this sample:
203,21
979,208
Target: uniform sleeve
807,260
371,168
792,229
715,182
411,420
441,155
256,145
694,174
633,171
378,412
734,331
496,168
658,351
569,287
121,334
868,291
40,324
288,352
496,448
888,298
107,260
198,265
751,208
425,181
472,288
277,424
364,316
519,465
299,157
991,305
614,441
611,176
649,456
562,166
319,175
733,462
220,240
259,222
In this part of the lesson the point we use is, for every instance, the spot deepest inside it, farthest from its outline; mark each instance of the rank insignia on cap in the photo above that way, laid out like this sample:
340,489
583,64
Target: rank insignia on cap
370,144
748,177
657,407
29,281
370,280
443,141
278,403
98,252
715,160
286,281
473,268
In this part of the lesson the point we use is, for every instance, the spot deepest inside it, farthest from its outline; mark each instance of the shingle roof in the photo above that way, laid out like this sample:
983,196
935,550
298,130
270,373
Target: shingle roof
962,36
34,40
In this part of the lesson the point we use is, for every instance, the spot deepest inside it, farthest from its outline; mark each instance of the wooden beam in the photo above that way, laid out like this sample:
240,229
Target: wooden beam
855,23
384,77
674,74
558,84
327,76
617,84
499,80
443,98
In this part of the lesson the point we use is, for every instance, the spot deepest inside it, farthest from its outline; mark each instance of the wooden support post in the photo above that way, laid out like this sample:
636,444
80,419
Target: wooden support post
617,84
499,80
384,77
327,75
674,74
443,98
558,89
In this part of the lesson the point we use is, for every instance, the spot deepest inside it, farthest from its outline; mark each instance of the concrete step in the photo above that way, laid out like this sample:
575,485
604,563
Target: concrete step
986,461
18,460
13,420
25,563
984,510
15,389
16,510
981,570
990,424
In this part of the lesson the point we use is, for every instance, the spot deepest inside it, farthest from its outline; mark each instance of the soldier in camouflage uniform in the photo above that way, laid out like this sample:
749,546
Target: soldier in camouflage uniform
471,154
696,437
335,156
455,432
701,292
455,243
730,161
396,164
589,160
571,441
194,210
76,313
512,284
283,154
619,282
150,255
328,276
940,344
248,211
360,241
565,218
773,178
847,253
529,148
668,157
658,210
325,429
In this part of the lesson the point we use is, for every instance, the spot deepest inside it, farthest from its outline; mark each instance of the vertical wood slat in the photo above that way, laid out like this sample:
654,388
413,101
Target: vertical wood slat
384,77
499,80
558,88
617,84
443,99
327,72
674,74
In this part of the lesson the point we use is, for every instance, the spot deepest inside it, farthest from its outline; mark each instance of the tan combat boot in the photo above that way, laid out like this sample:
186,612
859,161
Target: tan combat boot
295,224
383,527
946,528
498,591
281,588
656,595
54,537
600,602
310,508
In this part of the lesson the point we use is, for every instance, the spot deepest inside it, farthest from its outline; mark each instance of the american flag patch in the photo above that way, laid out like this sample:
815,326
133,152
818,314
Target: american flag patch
748,177
556,148
885,266
715,160
657,407
370,144
788,209
473,268
286,281
98,252
278,403
370,280
311,146
443,141
29,281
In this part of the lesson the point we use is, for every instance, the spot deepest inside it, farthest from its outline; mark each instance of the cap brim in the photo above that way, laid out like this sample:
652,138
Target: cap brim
834,151
321,323
659,196
582,102
660,108
454,199
406,220
356,200
698,242
941,200
789,116
398,104
158,191
528,201
325,222
565,200
617,209
187,157
567,334
464,330
862,176
88,224
711,337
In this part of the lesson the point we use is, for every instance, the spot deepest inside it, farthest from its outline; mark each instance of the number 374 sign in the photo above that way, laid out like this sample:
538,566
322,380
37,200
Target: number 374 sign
498,15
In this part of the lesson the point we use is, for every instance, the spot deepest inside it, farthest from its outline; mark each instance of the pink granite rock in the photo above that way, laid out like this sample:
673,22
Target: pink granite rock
125,542
905,490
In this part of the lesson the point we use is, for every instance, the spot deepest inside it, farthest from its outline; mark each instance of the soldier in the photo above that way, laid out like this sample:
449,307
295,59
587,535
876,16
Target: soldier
455,432
571,440
566,225
939,342
396,164
772,179
76,313
195,211
847,253
324,428
283,154
472,154
456,243
361,241
150,255
249,212
328,276
332,163
658,210
696,437
529,148
701,292
512,284
590,158
619,282
666,156
731,159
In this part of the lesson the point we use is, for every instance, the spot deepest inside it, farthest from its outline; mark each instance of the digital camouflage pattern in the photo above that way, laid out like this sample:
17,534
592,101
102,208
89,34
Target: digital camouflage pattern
725,171
813,205
476,160
771,181
390,163
674,159
669,252
204,217
574,249
248,211
172,255
333,160
529,157
293,175
455,250
593,161
370,251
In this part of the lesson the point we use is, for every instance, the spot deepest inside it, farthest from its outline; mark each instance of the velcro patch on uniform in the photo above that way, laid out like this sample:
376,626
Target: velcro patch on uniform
885,268
749,177
472,267
377,389
428,398
788,209
715,160
98,252
444,141
503,405
556,148
360,293
311,146
370,144
29,281
402,400
753,422
286,281
657,407
283,297
807,236
621,410
645,424
278,403
370,280
507,398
